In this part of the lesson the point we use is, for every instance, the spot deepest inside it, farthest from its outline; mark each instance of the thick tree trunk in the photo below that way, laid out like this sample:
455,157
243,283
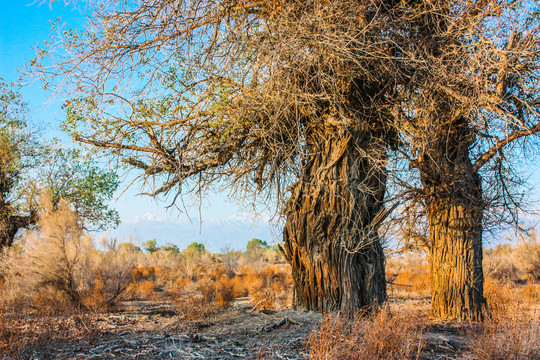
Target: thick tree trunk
330,236
456,261
455,210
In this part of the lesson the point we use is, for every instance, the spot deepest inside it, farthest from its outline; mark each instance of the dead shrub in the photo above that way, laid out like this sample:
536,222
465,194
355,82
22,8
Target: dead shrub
499,263
220,291
270,288
58,267
408,276
179,285
239,286
224,292
501,299
48,301
531,293
143,290
527,255
207,289
412,282
193,307
24,337
383,336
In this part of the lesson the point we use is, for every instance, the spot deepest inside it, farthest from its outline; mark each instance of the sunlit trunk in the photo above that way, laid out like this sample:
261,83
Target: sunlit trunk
456,261
453,193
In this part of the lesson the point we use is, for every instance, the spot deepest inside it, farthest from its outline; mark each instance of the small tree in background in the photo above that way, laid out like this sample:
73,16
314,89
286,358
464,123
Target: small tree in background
192,257
256,245
196,247
151,246
17,156
29,167
170,248
130,247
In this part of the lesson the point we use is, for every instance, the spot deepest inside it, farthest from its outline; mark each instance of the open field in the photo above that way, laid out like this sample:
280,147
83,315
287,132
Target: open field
155,330
236,306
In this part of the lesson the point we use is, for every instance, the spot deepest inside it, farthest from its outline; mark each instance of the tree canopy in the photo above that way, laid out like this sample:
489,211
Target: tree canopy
29,167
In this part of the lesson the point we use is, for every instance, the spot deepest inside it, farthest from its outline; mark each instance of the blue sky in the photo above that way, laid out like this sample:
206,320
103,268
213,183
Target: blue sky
25,23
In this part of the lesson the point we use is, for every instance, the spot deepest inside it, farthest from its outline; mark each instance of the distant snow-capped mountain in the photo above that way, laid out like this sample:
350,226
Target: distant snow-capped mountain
215,233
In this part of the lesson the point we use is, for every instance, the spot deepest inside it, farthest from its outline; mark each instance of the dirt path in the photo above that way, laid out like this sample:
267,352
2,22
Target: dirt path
153,330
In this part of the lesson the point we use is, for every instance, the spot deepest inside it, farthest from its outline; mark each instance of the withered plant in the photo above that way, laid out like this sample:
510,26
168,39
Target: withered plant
58,269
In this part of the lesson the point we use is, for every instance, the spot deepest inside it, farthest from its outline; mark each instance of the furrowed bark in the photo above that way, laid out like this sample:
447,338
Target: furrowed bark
455,211
456,261
330,238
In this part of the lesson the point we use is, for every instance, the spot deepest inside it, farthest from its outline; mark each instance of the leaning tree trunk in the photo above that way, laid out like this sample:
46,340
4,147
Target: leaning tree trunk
330,236
10,223
10,226
455,210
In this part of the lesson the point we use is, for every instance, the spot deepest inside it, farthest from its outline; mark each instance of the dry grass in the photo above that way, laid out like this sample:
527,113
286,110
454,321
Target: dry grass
210,288
383,336
224,291
512,330
516,261
502,299
514,336
24,337
193,307
142,290
269,288
507,340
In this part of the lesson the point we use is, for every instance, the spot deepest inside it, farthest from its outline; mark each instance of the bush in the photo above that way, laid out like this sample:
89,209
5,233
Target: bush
527,256
499,263
224,292
408,276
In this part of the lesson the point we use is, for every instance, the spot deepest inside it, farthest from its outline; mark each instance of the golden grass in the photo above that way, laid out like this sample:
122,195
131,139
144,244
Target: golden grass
409,282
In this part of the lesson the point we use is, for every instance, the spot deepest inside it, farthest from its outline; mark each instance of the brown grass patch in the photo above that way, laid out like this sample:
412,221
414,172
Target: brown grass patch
193,307
515,337
411,281
24,337
383,336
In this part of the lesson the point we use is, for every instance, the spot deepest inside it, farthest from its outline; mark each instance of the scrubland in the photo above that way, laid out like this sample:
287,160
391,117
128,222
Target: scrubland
64,296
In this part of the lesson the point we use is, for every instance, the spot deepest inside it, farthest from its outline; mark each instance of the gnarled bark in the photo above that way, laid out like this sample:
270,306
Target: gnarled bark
330,236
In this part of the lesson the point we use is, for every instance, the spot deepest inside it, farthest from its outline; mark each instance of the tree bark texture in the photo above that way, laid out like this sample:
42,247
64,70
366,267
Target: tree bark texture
455,210
330,236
